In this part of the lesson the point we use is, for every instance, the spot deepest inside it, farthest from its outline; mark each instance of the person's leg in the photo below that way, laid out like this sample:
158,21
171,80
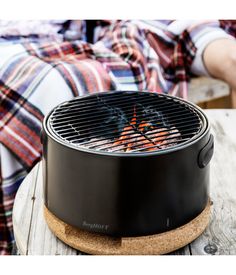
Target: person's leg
220,60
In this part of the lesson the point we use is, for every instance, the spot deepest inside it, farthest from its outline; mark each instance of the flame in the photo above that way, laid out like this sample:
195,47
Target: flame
135,140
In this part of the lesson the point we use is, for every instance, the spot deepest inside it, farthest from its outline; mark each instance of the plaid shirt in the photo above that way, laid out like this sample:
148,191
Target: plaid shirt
35,76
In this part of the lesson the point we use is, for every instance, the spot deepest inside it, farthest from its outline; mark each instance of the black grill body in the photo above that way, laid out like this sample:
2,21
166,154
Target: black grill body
125,193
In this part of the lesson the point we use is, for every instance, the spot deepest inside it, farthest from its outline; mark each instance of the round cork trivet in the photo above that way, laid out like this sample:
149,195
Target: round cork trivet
98,244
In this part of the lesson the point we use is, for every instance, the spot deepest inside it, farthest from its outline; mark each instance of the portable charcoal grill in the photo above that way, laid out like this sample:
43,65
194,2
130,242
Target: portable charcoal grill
126,163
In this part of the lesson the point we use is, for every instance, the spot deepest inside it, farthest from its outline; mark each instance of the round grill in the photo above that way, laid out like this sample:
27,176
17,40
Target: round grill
126,122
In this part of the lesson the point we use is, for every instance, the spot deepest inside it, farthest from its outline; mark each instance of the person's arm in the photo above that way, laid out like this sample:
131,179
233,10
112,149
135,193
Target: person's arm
220,60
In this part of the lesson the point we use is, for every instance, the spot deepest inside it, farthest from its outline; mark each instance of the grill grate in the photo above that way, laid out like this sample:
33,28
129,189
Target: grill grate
126,122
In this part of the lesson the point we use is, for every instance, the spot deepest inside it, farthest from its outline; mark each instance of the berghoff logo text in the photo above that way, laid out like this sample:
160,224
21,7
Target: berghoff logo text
95,225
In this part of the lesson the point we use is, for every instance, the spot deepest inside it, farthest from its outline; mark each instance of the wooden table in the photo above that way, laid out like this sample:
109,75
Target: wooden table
34,238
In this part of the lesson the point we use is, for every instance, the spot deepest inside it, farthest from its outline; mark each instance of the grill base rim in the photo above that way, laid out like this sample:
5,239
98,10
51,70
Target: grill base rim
157,244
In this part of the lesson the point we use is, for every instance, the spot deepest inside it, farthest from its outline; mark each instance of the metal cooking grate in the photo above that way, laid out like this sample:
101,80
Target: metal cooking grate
126,122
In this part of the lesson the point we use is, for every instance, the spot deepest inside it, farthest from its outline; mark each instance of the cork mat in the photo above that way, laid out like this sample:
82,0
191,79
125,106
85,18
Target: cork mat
157,244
